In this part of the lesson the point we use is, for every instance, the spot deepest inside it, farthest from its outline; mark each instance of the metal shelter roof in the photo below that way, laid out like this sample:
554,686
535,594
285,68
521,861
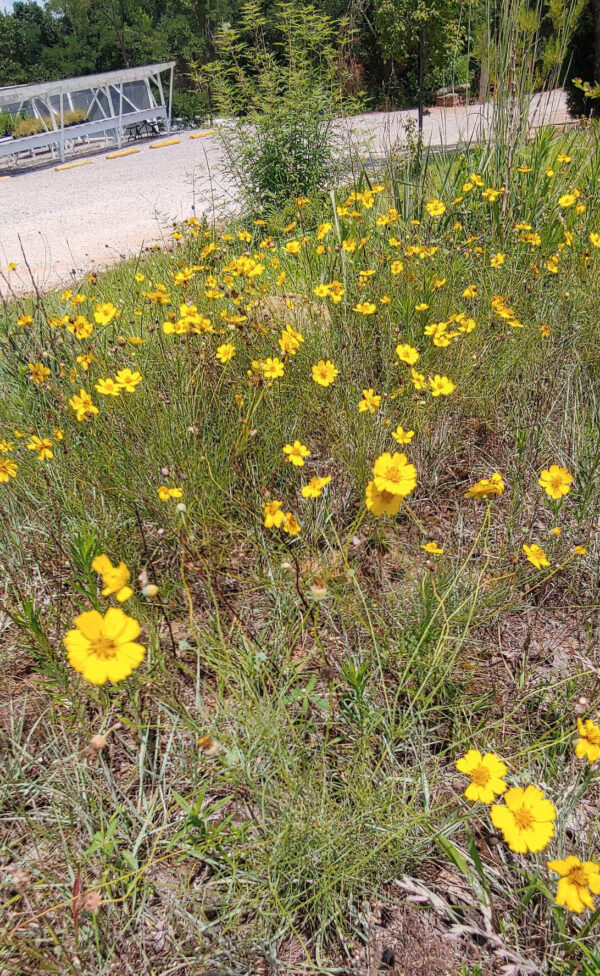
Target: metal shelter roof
22,93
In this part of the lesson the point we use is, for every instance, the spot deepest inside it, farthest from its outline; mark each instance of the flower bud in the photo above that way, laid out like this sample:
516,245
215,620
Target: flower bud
209,746
90,901
181,507
150,590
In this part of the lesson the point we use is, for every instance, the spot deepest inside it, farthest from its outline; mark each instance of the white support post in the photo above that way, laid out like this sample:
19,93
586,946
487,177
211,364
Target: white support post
62,128
112,107
158,81
151,98
170,99
120,129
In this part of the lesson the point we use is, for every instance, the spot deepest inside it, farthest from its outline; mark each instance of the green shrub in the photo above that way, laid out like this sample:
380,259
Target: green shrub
190,107
7,124
279,91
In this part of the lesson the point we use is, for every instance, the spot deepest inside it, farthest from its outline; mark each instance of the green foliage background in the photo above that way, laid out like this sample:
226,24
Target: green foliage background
62,38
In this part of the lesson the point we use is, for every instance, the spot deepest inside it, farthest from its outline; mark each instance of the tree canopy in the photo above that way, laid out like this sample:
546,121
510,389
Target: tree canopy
396,47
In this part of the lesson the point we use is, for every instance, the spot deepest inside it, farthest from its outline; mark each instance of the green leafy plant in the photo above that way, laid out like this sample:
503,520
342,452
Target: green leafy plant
7,124
277,83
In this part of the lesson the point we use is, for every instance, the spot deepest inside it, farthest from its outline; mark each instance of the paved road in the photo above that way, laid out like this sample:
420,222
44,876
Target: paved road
90,216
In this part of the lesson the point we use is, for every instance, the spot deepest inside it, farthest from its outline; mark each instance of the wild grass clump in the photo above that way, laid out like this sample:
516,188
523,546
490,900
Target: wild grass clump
300,602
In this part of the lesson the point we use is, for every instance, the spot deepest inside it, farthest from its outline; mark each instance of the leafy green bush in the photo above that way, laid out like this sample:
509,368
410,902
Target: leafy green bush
278,84
7,124
189,106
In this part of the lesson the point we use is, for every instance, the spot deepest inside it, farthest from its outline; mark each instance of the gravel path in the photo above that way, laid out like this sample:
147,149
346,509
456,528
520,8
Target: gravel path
75,220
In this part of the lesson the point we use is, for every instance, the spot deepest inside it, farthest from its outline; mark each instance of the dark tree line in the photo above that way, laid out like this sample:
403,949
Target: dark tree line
396,47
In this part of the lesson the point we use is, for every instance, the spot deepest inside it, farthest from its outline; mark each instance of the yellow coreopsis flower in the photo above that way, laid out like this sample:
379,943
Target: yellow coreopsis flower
588,745
165,493
527,820
8,469
365,308
128,380
487,775
536,556
315,486
225,352
103,648
38,373
402,436
579,880
486,487
370,401
556,481
42,447
108,387
432,548
392,473
295,453
289,341
418,380
82,405
435,208
105,313
381,502
272,514
114,578
290,524
324,373
85,360
80,327
491,194
272,369
567,200
407,354
441,385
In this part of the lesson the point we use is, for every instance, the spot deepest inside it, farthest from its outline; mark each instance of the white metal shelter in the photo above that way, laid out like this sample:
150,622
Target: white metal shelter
115,103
